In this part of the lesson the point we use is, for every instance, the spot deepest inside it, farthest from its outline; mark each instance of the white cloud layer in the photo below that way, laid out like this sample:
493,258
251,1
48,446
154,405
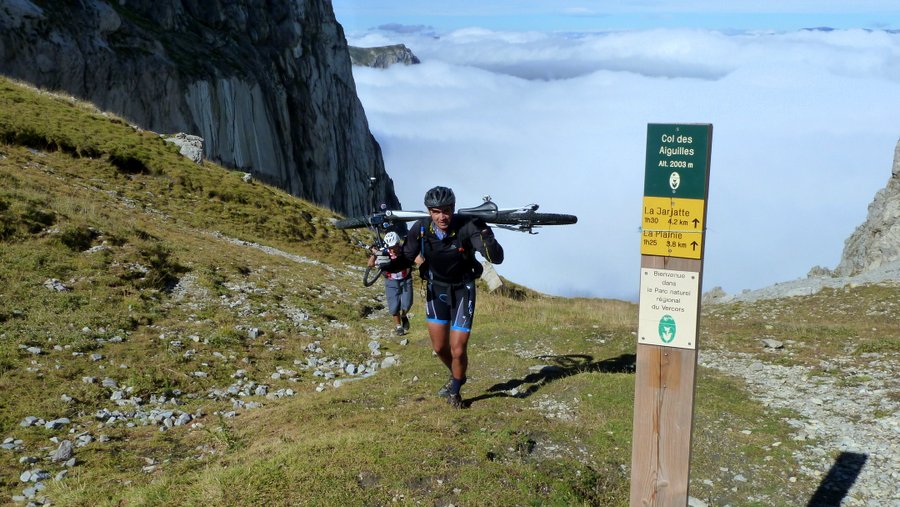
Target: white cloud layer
805,125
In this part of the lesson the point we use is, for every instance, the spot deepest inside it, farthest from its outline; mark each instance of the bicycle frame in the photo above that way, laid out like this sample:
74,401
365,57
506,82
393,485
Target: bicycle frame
521,219
484,212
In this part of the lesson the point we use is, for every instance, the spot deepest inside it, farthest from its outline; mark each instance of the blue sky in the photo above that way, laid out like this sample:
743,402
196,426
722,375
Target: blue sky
591,15
528,107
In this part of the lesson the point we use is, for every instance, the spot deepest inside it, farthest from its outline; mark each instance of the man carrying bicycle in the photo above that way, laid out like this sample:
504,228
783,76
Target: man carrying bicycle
447,244
398,287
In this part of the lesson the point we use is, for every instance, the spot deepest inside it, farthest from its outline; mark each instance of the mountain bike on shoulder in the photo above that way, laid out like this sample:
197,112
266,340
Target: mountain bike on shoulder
522,219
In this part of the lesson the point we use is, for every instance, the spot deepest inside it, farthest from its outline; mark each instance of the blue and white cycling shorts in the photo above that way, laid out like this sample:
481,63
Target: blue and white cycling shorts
452,305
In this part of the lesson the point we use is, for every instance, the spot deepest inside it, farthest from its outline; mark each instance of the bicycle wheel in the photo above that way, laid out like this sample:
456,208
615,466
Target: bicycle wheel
368,279
535,219
553,219
353,222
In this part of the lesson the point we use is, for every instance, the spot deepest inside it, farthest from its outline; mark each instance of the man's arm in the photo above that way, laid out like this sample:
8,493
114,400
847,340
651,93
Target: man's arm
410,252
413,244
484,241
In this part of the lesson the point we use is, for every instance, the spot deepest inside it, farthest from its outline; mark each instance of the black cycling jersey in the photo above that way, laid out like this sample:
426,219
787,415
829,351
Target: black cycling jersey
451,259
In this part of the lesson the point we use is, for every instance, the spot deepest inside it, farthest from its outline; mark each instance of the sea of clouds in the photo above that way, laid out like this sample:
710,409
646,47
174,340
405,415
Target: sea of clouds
805,124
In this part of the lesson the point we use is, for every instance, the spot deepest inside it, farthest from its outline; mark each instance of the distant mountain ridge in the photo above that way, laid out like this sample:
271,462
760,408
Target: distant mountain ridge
830,29
268,86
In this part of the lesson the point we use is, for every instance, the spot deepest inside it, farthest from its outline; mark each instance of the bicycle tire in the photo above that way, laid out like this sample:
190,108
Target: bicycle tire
352,223
535,219
368,282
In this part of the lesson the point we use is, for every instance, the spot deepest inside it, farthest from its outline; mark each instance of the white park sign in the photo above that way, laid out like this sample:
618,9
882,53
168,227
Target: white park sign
668,308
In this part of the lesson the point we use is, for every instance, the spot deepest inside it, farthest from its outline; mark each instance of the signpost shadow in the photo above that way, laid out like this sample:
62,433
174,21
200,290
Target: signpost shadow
840,478
561,366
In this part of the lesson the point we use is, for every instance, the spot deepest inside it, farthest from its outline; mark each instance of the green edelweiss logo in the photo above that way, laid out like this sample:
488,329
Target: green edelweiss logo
667,329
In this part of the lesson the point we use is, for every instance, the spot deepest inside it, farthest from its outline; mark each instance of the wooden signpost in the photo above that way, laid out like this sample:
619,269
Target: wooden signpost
676,187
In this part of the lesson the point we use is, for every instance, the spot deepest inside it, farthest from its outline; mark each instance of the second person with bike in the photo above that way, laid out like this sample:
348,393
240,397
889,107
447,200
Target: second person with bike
398,287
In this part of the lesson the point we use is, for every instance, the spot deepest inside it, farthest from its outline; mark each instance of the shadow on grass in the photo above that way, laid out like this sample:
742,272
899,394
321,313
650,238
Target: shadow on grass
558,367
835,486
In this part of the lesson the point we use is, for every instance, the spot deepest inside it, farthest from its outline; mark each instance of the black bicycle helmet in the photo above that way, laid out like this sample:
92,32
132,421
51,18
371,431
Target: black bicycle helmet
438,197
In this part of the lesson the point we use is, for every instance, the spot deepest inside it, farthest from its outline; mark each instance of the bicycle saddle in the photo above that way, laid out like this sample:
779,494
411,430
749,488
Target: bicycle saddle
484,210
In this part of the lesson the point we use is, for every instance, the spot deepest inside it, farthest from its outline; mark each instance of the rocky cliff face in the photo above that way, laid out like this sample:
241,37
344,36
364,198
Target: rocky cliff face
876,242
268,85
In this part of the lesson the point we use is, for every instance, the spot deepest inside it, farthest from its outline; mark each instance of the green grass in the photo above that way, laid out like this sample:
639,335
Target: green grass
142,239
849,321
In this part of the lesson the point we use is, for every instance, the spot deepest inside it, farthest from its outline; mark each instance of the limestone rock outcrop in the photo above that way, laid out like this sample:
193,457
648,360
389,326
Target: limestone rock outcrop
267,85
189,146
383,57
876,242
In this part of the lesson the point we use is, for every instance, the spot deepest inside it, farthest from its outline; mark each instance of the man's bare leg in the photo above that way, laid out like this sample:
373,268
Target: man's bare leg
459,344
440,342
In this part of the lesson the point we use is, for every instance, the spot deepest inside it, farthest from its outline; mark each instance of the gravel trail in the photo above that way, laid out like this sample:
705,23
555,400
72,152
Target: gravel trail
849,413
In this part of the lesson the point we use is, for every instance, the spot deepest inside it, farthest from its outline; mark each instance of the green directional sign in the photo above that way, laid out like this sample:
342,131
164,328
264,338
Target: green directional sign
677,156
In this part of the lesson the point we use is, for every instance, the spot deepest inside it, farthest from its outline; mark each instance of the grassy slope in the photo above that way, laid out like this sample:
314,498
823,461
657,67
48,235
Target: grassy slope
72,178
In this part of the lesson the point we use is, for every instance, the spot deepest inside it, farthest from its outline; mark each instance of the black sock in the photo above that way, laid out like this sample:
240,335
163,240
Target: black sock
455,384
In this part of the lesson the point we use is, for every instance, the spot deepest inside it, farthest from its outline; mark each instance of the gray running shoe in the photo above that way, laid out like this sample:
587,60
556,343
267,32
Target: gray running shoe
444,391
455,401
399,331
